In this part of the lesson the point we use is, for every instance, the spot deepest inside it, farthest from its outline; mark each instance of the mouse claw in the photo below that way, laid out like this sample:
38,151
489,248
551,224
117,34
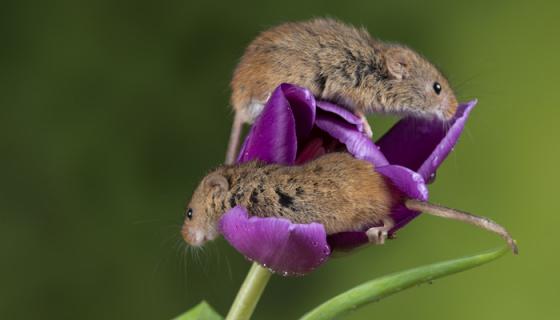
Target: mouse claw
378,235
367,128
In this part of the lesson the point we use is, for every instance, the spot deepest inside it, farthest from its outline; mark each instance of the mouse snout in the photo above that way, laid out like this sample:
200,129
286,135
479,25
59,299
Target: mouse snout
192,237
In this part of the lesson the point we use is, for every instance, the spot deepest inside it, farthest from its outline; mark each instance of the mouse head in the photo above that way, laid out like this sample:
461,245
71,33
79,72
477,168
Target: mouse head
416,83
202,213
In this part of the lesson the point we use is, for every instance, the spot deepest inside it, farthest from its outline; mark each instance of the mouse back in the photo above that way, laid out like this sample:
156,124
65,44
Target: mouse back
342,64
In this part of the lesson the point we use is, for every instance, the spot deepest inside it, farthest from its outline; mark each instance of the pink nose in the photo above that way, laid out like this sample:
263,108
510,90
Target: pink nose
187,236
191,237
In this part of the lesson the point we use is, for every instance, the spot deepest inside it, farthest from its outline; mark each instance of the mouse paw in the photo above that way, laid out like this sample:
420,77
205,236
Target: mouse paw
367,128
378,235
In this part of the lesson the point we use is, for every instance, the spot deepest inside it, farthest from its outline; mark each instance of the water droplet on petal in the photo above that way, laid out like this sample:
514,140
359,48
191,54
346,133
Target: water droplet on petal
435,161
423,190
431,178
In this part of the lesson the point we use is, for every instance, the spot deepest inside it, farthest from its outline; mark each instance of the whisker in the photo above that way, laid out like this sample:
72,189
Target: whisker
184,268
467,80
152,220
230,274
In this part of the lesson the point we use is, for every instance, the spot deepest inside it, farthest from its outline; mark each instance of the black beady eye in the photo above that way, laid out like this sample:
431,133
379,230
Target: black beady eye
189,213
437,87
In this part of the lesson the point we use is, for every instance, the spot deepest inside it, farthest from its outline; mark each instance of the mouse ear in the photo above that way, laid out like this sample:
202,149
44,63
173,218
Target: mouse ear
397,61
218,182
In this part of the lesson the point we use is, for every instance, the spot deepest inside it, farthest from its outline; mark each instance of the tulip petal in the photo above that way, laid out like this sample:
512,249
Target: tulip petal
302,102
447,143
357,143
346,241
407,181
345,114
421,145
276,243
272,138
402,216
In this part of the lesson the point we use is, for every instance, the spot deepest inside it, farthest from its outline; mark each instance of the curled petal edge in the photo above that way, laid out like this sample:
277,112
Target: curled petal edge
284,247
422,145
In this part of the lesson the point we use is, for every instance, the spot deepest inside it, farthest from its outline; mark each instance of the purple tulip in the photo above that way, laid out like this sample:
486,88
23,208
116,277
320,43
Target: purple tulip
294,128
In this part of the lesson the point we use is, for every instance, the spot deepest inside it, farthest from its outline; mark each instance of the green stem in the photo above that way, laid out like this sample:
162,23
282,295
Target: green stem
380,288
249,293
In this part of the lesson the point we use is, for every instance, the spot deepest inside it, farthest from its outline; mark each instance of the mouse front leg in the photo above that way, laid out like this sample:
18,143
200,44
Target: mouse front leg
378,235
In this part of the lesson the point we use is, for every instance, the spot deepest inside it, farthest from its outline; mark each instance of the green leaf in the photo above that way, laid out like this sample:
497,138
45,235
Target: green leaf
202,311
380,288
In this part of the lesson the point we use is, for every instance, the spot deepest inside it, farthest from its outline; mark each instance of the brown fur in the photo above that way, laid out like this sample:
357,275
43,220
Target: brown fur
336,190
342,64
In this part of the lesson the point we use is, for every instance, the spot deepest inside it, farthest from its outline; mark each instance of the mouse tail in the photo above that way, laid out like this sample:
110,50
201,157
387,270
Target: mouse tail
234,137
481,222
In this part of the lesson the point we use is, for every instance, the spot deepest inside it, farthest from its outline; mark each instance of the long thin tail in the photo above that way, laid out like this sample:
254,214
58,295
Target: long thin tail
449,213
234,137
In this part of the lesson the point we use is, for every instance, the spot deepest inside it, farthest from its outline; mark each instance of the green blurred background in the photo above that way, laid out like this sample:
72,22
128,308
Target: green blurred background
111,111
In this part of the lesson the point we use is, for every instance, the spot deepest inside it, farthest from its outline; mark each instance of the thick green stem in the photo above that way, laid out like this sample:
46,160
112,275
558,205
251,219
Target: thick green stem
249,293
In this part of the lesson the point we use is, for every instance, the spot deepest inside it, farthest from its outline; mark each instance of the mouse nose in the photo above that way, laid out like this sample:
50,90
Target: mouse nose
186,234
192,237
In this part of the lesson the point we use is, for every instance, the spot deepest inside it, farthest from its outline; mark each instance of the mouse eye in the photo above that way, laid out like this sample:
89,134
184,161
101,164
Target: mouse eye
189,213
437,87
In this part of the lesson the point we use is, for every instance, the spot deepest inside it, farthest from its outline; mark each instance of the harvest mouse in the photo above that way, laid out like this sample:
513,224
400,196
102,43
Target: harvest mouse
341,64
337,190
